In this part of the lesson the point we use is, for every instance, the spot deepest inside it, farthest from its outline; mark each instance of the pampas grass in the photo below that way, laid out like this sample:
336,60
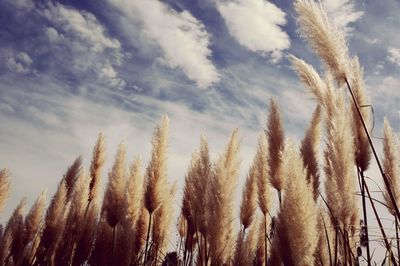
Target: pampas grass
309,151
296,241
96,167
325,39
131,224
220,203
249,199
4,187
275,147
391,164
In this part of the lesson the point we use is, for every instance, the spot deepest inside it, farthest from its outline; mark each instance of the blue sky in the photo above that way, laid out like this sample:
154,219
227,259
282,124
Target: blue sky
70,69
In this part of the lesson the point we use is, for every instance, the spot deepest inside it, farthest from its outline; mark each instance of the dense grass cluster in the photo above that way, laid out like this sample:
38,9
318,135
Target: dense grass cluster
317,221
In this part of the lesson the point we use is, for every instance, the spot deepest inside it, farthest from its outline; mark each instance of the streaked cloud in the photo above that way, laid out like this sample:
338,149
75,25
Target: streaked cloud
256,25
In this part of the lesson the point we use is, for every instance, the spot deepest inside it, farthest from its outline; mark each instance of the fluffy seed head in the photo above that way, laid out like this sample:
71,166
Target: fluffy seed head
33,219
156,173
201,186
220,203
275,146
361,144
4,187
71,176
96,166
54,216
309,151
391,164
261,167
134,192
114,198
296,240
327,40
249,199
340,183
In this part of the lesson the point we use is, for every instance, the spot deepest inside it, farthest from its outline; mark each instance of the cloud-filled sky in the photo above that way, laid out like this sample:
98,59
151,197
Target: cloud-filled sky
70,69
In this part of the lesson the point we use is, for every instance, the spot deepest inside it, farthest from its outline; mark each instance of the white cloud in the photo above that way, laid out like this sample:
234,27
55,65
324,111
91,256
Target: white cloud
256,25
81,25
90,49
19,62
343,13
53,35
108,73
394,55
181,37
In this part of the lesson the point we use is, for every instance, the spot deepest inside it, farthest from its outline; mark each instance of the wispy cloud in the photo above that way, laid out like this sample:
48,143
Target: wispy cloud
343,13
256,25
182,38
394,55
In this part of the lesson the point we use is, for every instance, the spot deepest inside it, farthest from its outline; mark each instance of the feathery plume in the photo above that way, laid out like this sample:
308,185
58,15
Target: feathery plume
260,164
162,222
71,176
54,215
339,155
16,226
309,76
249,199
201,186
156,173
361,144
114,197
296,241
391,164
74,221
275,147
327,40
309,151
96,166
4,187
188,200
134,193
33,219
220,203
86,238
246,245
11,241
